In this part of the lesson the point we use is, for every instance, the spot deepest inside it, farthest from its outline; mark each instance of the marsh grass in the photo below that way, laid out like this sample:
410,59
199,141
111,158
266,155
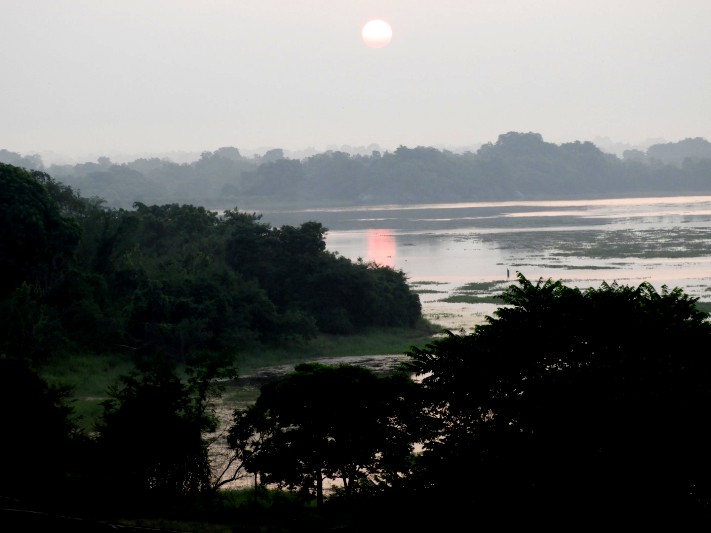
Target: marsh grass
484,292
472,299
603,244
424,287
427,291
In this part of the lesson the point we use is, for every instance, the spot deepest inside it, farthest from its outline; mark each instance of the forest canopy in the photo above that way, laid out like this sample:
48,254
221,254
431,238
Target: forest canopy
174,279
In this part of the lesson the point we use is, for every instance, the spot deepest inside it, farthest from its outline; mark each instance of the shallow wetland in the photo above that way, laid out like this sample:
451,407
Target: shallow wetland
459,257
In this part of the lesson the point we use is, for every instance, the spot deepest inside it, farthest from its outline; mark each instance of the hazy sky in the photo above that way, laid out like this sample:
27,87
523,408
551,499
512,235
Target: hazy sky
154,76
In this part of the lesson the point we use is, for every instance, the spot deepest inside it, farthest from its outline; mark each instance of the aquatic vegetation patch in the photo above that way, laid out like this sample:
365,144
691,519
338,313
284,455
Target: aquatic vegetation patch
482,286
472,299
427,291
485,292
567,266
422,287
676,242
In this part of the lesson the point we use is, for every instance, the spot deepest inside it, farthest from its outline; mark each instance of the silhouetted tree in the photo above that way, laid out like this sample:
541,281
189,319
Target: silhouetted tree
573,406
152,436
41,448
324,422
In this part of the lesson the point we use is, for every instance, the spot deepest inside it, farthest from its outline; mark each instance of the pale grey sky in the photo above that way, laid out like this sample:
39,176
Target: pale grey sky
88,77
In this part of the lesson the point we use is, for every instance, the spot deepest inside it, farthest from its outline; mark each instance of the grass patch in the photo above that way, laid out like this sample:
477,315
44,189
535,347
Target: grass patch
371,342
472,299
91,375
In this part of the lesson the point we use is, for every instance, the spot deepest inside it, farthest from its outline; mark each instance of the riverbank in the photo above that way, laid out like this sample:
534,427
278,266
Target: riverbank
91,375
368,342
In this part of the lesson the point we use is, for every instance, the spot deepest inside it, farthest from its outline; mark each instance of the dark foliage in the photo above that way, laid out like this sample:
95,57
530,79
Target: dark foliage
339,423
36,239
41,447
153,433
570,406
173,279
177,287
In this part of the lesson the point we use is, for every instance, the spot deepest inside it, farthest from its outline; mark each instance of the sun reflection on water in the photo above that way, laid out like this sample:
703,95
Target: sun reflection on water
381,247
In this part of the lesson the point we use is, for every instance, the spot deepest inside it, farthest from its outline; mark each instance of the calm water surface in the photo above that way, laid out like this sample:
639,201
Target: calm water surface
441,247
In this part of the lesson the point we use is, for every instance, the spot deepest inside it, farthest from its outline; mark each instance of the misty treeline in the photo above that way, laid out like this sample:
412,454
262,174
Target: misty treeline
517,166
175,279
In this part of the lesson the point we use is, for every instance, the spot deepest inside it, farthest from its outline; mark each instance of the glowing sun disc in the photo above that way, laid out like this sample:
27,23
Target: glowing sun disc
377,33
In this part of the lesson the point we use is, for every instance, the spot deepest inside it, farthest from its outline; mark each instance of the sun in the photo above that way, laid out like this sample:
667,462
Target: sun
377,33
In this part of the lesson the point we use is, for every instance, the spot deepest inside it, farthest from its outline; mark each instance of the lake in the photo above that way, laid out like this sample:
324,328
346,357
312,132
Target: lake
444,247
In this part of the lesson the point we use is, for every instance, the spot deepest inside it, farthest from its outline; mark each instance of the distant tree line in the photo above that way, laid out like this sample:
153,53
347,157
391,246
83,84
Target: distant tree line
516,166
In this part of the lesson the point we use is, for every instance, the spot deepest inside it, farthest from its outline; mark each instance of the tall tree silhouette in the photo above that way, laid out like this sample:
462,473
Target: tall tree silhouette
574,405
